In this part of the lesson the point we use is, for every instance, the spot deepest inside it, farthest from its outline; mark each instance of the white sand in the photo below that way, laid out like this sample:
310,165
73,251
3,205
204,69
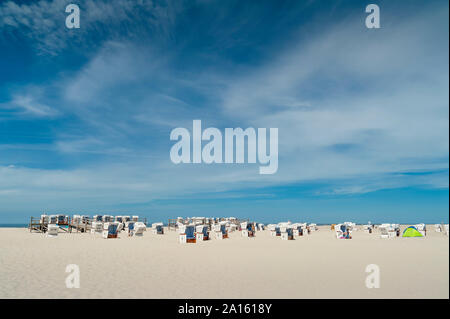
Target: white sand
157,266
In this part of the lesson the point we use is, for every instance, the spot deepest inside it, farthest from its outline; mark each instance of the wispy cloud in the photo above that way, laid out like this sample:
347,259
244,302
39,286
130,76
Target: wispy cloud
43,22
28,105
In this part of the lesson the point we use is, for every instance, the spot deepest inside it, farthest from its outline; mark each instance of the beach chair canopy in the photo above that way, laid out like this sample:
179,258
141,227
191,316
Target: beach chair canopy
411,231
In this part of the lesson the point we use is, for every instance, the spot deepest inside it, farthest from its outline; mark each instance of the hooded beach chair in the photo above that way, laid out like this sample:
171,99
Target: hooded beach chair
111,230
139,229
130,226
342,231
135,218
76,219
220,230
251,229
52,230
297,230
384,232
97,227
231,227
120,227
201,232
63,220
187,234
53,219
368,229
287,233
247,229
158,228
272,229
126,219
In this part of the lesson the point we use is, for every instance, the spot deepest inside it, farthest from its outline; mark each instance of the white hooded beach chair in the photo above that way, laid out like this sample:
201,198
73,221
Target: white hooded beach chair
273,229
187,234
76,219
367,229
297,230
111,230
158,228
53,219
126,219
201,232
63,220
305,229
52,230
287,233
247,229
220,230
135,218
129,225
384,232
342,231
97,227
139,229
231,227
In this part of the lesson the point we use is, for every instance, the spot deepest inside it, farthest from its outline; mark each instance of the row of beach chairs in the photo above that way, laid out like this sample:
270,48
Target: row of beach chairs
192,233
289,231
106,225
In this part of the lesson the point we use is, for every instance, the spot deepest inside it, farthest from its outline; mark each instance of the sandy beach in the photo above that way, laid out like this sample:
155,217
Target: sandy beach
157,266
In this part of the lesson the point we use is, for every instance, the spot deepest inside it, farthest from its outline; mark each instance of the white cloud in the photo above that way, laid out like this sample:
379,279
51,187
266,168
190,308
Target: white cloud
376,102
28,104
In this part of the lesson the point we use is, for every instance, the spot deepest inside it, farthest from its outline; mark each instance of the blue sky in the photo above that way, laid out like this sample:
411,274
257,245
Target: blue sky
363,114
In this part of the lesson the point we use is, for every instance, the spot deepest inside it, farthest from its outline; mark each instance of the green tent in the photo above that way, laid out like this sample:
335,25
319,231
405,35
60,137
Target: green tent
411,231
